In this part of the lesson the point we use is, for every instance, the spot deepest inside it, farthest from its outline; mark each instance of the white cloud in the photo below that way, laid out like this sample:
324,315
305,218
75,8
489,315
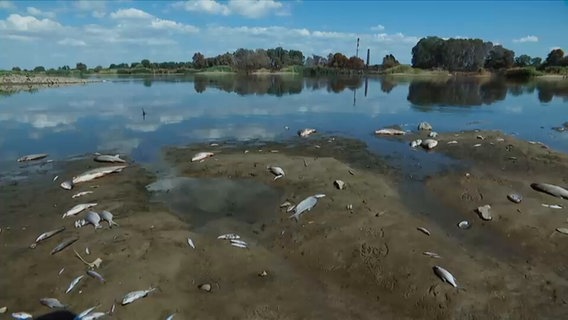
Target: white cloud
72,42
38,13
16,22
130,13
526,39
163,24
378,27
8,5
247,8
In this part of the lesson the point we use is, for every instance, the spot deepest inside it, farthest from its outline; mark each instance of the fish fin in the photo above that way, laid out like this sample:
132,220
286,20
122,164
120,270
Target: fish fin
278,177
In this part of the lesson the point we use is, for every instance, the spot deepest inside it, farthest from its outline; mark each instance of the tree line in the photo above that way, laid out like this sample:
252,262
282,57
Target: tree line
474,55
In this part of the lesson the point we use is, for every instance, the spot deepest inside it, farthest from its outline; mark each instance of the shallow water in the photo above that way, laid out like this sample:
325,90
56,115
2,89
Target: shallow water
201,200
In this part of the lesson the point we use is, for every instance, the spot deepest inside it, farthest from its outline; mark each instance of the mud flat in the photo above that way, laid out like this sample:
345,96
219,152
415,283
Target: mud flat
14,82
356,254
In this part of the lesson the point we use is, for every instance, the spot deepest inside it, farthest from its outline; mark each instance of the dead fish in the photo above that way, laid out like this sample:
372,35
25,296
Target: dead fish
31,157
78,208
64,244
291,208
415,143
552,206
445,275
551,189
135,295
190,242
306,205
74,283
424,126
515,197
239,245
464,225
80,194
429,144
93,316
55,178
477,145
67,185
339,184
51,303
277,171
306,132
94,219
21,315
96,275
49,234
201,156
171,316
80,223
84,313
562,230
229,236
452,142
238,241
431,254
390,132
91,175
433,134
108,217
109,158
61,271
424,230
285,204
3,310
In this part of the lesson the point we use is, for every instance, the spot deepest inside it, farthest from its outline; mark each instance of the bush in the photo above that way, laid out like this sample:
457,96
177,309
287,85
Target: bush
521,73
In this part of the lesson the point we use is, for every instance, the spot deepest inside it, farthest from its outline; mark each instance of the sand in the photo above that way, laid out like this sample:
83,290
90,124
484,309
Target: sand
334,263
13,82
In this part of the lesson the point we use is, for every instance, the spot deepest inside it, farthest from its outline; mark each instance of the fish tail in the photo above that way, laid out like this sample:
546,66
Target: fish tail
114,224
296,216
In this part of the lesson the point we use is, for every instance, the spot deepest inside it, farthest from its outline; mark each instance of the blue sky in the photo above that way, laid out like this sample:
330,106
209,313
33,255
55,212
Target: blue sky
61,32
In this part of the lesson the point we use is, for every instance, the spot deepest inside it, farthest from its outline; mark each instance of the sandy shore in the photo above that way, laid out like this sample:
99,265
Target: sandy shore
334,263
14,83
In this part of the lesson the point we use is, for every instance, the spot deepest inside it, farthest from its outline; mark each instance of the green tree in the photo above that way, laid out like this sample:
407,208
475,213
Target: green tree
500,58
536,62
338,60
554,58
16,69
523,60
199,61
98,69
39,69
145,63
426,54
389,61
81,66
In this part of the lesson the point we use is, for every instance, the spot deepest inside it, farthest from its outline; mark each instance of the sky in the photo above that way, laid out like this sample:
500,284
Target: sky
61,32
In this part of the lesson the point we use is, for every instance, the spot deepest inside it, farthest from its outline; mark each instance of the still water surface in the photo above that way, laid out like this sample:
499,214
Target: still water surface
107,116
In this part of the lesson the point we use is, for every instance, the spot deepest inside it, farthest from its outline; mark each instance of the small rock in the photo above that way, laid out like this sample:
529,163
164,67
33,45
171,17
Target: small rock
464,225
263,273
339,184
484,212
424,126
205,287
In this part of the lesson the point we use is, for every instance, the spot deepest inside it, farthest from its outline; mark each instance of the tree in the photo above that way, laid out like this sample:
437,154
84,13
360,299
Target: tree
500,58
98,69
523,60
390,61
338,60
39,69
536,62
426,54
199,61
145,63
81,66
16,69
554,58
355,63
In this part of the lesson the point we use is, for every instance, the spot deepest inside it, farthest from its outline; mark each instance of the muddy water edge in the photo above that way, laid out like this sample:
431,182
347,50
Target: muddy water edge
333,263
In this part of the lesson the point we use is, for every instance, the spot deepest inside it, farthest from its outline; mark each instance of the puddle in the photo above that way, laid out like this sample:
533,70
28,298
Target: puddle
200,200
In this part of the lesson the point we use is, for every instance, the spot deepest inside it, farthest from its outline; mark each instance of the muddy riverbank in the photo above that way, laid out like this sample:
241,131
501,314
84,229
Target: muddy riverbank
14,82
356,254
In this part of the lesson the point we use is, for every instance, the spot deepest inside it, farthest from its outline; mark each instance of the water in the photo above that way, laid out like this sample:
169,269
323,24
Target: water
107,116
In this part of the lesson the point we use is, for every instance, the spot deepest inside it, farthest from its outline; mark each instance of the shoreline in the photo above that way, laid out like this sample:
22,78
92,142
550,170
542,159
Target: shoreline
358,245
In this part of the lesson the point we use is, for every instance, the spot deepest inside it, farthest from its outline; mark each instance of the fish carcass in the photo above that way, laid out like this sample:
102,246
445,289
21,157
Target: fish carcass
49,234
109,158
201,156
306,132
78,208
277,171
306,205
108,217
31,157
135,295
551,189
390,132
445,275
91,175
94,219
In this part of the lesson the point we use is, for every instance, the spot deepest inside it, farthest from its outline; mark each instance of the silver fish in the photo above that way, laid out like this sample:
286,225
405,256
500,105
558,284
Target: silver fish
80,223
551,189
49,234
31,157
238,241
94,315
515,197
135,295
424,230
21,315
96,275
64,244
277,171
107,216
94,219
306,132
171,316
85,313
78,208
109,158
97,173
389,132
61,271
239,245
67,185
190,242
431,254
80,194
552,206
51,303
229,236
201,156
74,283
445,275
306,205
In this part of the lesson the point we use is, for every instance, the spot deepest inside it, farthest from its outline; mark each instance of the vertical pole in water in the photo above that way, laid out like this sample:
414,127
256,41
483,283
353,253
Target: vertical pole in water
357,52
366,85
368,56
